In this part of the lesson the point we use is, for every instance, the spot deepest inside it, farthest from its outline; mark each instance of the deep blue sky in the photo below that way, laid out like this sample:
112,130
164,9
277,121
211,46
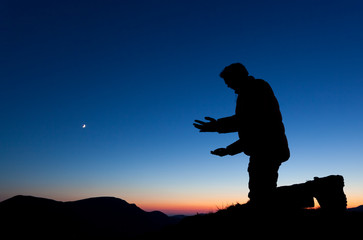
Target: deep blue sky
138,73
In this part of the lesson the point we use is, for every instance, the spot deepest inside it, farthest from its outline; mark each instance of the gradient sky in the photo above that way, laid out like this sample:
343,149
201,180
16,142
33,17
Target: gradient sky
138,73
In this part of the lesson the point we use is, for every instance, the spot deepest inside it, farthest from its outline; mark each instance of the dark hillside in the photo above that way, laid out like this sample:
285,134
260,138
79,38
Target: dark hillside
101,217
241,221
112,218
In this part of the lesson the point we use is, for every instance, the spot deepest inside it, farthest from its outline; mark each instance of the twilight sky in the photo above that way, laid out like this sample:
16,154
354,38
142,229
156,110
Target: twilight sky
138,73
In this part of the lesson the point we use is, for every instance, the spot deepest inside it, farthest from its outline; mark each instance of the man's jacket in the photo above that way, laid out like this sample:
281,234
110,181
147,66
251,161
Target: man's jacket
258,122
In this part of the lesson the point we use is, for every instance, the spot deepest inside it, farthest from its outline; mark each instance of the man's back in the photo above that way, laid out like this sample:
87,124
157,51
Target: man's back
259,121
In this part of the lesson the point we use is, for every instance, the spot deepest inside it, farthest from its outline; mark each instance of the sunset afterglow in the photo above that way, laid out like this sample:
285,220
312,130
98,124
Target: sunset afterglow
98,98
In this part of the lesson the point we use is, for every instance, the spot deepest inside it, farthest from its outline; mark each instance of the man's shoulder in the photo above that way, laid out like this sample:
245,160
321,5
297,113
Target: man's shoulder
261,84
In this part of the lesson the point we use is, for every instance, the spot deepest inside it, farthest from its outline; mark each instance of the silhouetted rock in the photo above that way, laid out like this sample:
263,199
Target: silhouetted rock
101,217
327,190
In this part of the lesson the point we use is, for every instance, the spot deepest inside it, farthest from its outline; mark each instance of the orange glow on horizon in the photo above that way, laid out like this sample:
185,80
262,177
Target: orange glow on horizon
184,209
192,209
178,204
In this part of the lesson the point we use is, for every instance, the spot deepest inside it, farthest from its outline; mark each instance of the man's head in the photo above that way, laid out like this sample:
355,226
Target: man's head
234,75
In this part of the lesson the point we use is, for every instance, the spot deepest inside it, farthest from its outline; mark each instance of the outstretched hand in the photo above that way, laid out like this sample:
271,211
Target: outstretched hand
220,152
210,126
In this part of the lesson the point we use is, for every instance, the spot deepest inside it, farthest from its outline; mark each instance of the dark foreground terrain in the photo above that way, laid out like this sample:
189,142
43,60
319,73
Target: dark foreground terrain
243,222
25,217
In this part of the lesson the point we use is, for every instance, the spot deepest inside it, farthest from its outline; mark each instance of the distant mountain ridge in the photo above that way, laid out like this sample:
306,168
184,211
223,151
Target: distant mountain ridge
356,209
25,216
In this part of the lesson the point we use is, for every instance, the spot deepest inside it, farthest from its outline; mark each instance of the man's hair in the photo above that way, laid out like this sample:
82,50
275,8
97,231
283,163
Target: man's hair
234,70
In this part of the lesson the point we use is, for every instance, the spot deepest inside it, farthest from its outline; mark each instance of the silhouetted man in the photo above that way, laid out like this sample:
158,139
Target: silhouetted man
261,132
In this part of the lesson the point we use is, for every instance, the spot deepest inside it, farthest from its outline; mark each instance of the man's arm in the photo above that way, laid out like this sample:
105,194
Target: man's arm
222,125
227,124
233,149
